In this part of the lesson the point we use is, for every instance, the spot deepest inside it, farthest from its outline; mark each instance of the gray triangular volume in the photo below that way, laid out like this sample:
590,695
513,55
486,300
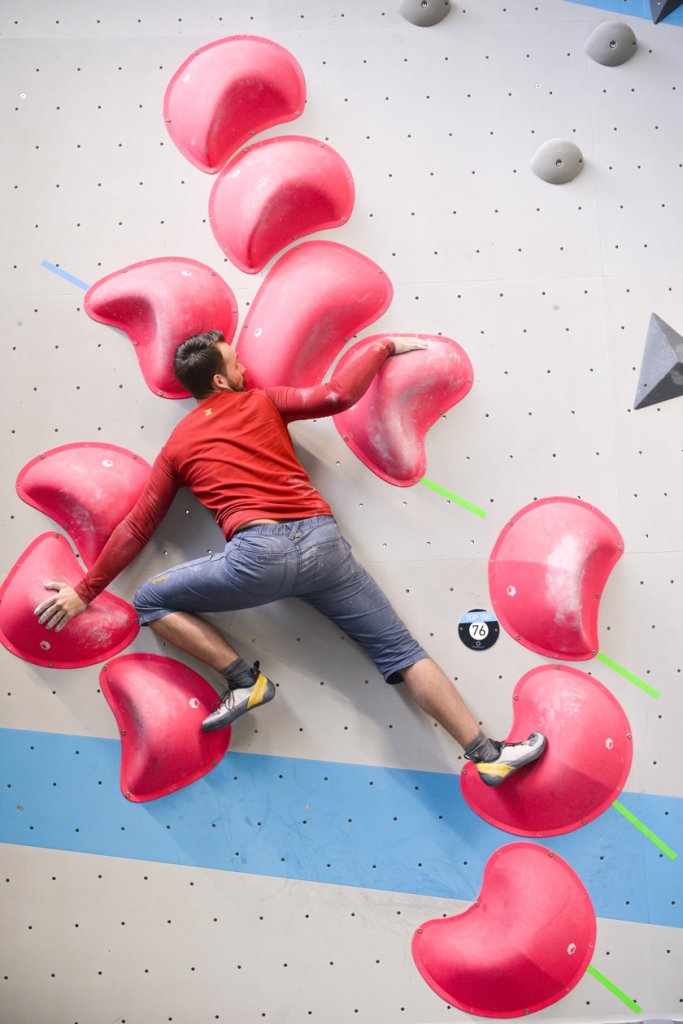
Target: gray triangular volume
661,372
663,8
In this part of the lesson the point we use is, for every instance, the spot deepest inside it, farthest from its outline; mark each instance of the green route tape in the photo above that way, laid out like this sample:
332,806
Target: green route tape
671,854
631,1003
626,674
453,497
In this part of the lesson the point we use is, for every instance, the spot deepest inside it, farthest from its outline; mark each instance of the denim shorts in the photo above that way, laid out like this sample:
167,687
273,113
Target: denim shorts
304,558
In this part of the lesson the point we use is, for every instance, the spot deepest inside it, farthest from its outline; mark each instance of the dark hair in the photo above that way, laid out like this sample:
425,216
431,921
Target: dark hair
197,360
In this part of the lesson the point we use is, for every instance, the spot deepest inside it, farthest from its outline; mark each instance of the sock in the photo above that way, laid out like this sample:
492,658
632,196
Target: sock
482,749
238,674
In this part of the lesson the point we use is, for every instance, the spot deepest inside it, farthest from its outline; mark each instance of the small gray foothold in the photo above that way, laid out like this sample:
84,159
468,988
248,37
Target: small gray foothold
424,12
661,371
663,8
612,43
557,161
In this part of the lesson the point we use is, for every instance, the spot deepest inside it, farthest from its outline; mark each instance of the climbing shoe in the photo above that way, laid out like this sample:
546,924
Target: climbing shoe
512,756
236,702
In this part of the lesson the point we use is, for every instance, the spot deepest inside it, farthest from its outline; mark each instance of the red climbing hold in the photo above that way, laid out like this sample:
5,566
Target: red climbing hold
159,303
159,705
523,945
387,428
277,191
228,91
87,488
314,299
585,764
106,626
547,572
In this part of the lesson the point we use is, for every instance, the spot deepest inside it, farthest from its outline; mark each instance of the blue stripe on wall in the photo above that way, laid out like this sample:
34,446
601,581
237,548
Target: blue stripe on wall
632,9
356,825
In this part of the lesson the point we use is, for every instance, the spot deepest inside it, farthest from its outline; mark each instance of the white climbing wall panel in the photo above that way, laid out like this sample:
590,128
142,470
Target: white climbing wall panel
550,291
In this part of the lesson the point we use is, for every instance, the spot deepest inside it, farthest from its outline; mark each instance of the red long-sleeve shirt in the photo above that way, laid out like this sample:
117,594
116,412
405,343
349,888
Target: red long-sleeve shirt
234,453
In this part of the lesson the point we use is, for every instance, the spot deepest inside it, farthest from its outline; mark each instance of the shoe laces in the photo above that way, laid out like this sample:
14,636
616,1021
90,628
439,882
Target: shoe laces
228,698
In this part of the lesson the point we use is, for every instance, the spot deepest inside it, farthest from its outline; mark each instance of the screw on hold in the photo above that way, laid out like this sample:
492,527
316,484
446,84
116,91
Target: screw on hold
583,821
558,163
127,796
123,732
476,903
629,736
515,696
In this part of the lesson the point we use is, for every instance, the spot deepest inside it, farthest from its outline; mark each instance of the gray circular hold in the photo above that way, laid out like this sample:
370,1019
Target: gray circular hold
612,43
424,12
557,161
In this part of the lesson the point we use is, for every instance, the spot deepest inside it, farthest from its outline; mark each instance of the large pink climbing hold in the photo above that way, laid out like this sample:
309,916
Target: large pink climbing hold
228,91
583,768
547,572
159,705
316,297
387,428
524,943
87,488
277,191
159,303
106,626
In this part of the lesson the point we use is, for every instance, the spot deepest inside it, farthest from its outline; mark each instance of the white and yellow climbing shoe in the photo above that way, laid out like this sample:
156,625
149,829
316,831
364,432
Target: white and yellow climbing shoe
512,757
236,702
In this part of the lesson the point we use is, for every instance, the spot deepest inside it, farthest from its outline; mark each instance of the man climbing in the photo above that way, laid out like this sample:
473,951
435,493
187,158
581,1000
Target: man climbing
234,452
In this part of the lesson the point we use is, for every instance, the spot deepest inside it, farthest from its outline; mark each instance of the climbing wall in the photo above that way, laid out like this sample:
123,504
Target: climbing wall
287,884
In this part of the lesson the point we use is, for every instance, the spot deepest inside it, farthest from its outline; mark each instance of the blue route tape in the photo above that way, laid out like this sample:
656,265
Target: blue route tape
377,828
63,273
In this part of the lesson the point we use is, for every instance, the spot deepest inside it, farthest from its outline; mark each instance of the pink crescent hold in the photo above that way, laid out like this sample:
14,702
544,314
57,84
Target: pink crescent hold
311,302
159,303
106,626
159,705
544,925
228,91
547,572
583,768
387,428
87,488
277,191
